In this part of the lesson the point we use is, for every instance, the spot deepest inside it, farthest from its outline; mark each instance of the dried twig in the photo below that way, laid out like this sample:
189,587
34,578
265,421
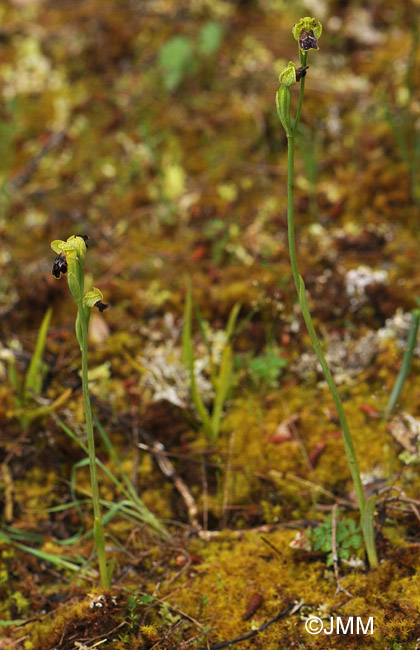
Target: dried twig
135,443
227,477
197,636
413,503
165,465
183,569
271,545
205,497
292,608
175,609
207,535
169,471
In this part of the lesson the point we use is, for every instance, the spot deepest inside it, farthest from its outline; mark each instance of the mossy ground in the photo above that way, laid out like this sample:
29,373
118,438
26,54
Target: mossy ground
169,180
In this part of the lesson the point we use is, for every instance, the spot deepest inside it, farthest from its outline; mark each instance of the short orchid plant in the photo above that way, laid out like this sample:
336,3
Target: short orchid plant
70,261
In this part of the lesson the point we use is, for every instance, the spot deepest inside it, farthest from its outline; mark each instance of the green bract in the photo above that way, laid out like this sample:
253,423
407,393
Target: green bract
287,76
283,108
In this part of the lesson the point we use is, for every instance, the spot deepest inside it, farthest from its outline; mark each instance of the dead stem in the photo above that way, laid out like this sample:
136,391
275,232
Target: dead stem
197,636
227,477
183,569
135,444
205,496
169,471
292,608
176,609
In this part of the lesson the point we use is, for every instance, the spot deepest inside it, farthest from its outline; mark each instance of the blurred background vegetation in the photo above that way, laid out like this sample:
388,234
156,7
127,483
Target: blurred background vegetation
150,126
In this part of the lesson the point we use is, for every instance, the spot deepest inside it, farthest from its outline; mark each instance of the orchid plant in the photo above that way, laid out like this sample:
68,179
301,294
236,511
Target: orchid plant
307,32
70,261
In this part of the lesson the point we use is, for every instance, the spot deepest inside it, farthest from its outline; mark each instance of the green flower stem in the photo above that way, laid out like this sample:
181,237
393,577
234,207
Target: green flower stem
367,523
303,56
83,319
406,362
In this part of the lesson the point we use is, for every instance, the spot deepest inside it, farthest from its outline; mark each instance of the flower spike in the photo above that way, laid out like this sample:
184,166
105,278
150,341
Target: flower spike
70,260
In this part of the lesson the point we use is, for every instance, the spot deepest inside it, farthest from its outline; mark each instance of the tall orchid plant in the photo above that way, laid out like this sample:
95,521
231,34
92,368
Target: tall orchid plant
307,32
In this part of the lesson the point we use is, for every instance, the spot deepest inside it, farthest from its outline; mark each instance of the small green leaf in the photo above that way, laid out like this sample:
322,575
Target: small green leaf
356,541
176,59
211,36
341,535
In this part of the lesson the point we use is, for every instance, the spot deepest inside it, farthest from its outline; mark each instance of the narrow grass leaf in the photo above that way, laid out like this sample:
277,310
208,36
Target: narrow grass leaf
406,362
34,376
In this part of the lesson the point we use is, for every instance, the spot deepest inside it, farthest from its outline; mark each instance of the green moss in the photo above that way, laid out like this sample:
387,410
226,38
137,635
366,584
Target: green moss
234,569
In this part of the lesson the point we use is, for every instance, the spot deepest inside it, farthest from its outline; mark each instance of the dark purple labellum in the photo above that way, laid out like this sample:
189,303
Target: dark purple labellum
59,266
100,305
301,72
85,238
308,40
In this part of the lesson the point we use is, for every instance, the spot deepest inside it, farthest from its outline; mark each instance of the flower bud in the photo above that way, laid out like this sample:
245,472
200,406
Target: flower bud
287,76
93,298
283,108
74,285
307,32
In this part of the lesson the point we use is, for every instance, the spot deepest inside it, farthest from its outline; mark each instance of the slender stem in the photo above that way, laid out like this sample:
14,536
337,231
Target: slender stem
411,64
406,362
84,313
303,56
300,288
290,210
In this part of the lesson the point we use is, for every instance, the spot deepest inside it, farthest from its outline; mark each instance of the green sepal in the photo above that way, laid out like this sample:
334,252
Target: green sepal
74,286
283,108
287,76
79,330
92,297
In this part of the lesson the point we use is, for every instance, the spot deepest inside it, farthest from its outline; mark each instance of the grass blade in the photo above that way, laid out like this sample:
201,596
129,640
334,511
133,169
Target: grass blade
224,380
406,362
33,379
188,359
